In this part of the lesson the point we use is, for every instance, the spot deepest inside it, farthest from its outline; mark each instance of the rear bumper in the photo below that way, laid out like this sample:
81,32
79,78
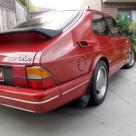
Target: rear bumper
30,100
40,101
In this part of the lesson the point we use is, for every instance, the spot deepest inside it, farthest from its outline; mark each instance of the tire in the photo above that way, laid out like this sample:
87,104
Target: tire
98,87
131,60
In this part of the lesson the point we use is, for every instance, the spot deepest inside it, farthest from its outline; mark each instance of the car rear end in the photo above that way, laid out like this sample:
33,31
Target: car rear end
23,84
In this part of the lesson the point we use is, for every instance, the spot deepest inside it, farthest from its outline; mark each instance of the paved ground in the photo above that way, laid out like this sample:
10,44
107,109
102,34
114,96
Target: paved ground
115,117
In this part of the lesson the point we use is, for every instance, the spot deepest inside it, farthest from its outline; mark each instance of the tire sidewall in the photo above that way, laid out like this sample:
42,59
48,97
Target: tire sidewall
132,51
93,93
128,66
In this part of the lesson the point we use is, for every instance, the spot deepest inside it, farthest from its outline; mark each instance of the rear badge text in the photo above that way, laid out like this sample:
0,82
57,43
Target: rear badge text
21,59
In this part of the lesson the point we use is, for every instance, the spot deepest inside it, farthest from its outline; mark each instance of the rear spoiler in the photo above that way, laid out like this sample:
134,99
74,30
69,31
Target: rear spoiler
49,33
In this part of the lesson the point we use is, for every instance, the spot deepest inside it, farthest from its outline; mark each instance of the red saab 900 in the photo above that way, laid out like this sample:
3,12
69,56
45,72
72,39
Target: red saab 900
61,57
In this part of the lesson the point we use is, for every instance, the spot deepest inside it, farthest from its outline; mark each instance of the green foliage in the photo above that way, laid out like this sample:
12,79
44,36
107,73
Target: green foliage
32,8
123,23
132,28
28,5
133,39
128,28
24,2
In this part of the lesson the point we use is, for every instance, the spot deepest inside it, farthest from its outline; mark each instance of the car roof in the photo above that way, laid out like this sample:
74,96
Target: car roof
81,10
43,13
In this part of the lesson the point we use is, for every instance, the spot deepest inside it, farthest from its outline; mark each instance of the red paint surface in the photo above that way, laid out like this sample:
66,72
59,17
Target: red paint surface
62,57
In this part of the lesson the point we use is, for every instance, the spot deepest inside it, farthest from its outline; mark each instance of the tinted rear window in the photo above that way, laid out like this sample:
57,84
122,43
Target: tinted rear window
51,20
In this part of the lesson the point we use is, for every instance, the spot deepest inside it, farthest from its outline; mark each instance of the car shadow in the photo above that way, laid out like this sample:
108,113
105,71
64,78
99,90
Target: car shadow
50,122
58,121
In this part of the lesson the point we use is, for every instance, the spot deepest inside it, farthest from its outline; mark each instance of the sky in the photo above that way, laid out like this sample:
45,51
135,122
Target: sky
59,4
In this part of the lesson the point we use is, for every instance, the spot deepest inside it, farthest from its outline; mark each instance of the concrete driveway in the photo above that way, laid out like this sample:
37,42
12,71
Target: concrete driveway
115,117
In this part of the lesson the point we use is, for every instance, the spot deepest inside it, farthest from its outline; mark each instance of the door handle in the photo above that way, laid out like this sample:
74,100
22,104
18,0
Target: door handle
86,43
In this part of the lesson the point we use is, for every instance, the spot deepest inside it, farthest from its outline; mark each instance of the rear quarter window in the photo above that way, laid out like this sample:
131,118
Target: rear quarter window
99,25
112,26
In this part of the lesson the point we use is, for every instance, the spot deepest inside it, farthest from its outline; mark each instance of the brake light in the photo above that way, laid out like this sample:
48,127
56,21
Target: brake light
39,78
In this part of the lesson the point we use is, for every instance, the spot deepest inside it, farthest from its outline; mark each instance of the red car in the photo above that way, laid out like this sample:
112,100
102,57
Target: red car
60,57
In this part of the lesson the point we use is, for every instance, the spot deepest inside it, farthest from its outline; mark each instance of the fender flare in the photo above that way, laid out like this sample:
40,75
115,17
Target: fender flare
97,59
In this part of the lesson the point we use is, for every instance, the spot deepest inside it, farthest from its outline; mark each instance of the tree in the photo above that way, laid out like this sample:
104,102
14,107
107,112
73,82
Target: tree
28,5
24,2
128,28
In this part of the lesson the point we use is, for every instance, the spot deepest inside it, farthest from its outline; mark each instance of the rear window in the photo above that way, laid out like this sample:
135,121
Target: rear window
51,20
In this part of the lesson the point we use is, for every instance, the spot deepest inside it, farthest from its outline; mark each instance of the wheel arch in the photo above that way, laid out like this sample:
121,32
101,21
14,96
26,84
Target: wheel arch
92,101
106,61
97,59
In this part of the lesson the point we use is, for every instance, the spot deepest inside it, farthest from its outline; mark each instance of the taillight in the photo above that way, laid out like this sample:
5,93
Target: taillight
39,78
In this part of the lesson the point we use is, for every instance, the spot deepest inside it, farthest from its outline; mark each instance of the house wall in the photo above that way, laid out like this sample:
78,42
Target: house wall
112,8
11,13
7,14
21,12
7,4
134,14
109,7
93,4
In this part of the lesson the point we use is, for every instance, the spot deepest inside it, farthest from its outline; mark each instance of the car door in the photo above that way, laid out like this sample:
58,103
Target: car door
121,43
106,42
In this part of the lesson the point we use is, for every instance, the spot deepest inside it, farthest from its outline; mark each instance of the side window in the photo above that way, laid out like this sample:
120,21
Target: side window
99,25
113,26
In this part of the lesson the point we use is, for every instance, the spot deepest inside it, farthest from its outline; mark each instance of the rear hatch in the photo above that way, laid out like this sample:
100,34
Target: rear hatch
18,49
21,45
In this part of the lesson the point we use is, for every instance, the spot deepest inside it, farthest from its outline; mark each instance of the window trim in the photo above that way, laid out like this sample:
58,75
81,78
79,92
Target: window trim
95,13
105,16
111,34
